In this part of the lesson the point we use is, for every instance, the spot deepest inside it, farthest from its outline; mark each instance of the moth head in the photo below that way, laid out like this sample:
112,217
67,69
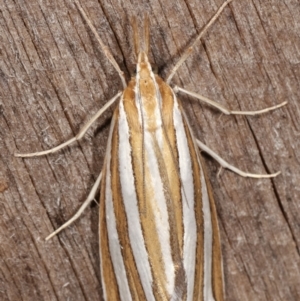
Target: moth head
143,67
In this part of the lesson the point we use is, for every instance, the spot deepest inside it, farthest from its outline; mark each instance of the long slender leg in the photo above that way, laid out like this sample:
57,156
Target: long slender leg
225,164
223,109
78,136
90,197
189,50
102,45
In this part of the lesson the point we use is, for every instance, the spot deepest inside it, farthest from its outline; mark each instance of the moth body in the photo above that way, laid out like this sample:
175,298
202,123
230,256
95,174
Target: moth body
157,229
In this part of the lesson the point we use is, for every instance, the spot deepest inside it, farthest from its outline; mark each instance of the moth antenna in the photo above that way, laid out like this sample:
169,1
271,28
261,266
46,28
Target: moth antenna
189,50
104,48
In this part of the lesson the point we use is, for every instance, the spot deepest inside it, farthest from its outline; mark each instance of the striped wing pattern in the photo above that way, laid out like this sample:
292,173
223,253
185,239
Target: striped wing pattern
158,228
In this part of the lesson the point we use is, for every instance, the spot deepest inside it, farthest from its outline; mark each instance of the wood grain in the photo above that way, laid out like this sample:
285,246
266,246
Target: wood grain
54,77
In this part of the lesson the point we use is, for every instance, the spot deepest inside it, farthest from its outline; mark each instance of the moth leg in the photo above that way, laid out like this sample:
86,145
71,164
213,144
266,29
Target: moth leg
78,136
189,50
90,197
225,164
104,48
225,110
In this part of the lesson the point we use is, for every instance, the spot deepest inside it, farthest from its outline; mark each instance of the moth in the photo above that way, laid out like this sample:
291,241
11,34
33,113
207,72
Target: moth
158,229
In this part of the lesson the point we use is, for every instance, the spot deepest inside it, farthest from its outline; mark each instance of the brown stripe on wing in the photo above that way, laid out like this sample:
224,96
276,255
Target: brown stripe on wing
133,277
107,272
170,155
217,270
199,265
180,275
145,195
170,173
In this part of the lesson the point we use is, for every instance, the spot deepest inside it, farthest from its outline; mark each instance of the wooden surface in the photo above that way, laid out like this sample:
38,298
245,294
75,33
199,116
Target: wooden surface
54,78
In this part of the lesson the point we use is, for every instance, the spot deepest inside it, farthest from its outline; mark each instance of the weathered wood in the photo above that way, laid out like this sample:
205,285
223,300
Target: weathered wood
54,77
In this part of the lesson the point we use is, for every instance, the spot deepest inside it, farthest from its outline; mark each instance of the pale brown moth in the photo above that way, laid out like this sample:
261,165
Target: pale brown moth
158,229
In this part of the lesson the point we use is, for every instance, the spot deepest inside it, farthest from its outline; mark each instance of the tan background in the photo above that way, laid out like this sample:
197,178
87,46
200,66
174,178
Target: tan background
54,77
